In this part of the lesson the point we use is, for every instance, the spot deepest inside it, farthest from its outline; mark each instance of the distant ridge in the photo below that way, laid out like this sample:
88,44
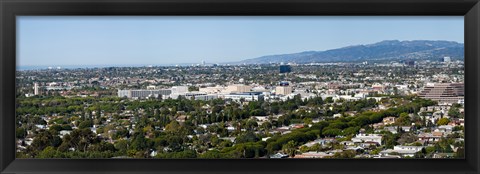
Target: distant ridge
387,50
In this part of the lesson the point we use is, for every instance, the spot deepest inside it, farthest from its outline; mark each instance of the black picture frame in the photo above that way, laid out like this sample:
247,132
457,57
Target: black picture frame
9,9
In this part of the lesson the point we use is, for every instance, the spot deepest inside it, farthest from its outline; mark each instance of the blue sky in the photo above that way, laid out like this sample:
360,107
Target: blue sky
157,40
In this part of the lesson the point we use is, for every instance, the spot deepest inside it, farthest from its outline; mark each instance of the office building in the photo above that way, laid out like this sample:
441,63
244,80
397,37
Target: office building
443,92
238,88
447,59
410,63
283,90
285,69
179,89
283,83
36,89
246,96
142,93
195,95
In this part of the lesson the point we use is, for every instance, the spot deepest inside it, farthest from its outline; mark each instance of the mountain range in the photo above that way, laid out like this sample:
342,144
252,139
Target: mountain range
388,50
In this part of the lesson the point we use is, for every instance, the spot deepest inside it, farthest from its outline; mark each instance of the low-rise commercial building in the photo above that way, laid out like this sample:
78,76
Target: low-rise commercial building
143,93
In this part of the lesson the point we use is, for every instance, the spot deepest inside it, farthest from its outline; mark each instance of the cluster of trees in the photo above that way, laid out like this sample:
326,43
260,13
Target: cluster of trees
173,142
80,143
454,111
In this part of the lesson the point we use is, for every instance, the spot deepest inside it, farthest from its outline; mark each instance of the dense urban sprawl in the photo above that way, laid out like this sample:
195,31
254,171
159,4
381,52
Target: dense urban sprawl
320,110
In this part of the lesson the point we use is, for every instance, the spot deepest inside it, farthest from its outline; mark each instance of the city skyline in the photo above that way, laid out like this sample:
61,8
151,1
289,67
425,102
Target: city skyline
52,41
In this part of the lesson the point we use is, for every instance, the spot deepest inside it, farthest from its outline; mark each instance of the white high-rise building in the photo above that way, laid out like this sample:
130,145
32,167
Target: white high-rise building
447,59
36,89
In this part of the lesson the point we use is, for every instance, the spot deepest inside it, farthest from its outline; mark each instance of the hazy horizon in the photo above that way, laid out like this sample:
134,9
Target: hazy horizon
94,41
